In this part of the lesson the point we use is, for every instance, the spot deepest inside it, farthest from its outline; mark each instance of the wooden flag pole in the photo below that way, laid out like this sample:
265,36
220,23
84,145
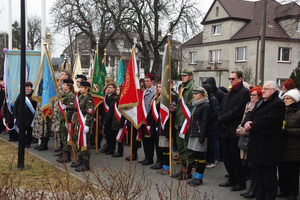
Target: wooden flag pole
66,120
131,141
170,115
97,128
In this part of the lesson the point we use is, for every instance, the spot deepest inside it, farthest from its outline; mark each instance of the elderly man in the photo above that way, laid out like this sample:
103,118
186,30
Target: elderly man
264,124
230,115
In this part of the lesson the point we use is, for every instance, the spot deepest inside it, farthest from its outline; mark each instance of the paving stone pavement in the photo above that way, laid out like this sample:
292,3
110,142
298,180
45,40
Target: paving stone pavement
212,177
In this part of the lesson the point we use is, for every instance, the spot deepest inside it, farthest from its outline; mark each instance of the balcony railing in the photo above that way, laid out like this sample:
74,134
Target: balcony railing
206,65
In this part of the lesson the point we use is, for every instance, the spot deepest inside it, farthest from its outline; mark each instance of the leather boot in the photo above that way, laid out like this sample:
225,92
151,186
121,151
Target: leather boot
78,163
84,167
44,146
252,192
187,173
65,158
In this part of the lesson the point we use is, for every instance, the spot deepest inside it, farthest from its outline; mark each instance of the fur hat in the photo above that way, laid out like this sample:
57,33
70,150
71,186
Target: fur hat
294,94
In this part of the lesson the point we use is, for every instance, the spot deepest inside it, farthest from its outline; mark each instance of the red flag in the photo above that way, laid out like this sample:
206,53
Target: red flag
130,104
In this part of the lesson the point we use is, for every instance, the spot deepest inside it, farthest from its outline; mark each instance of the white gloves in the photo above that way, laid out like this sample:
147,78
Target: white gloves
69,125
86,129
64,107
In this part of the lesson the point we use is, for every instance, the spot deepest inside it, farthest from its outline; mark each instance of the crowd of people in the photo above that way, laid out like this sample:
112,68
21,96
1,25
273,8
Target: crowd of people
254,130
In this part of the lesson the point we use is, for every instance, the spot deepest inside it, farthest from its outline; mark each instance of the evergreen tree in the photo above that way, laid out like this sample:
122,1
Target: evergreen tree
295,76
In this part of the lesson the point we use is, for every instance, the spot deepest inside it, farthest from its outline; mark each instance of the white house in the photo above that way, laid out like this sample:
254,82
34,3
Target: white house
231,40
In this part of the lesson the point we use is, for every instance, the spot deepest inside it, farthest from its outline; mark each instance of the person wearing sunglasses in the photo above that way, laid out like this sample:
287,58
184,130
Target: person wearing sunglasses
230,115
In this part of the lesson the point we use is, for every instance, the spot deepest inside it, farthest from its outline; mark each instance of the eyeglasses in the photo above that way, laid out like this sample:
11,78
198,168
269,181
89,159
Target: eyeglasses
253,95
232,79
287,98
267,88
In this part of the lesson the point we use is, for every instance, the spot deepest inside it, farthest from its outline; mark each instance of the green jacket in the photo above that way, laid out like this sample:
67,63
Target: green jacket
68,99
188,97
86,104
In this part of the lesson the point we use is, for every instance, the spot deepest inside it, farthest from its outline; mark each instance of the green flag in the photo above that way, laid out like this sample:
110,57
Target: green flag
97,82
103,75
120,74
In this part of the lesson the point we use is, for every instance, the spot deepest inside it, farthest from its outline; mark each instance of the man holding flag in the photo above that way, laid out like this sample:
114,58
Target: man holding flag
182,119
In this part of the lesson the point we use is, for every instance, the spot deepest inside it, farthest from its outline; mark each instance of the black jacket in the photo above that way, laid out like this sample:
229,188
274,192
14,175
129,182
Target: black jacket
28,114
199,120
231,111
216,91
107,117
213,117
264,144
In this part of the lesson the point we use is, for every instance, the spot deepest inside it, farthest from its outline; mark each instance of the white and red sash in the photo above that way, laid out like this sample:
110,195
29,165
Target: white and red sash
122,130
81,134
145,115
187,115
70,136
105,106
154,111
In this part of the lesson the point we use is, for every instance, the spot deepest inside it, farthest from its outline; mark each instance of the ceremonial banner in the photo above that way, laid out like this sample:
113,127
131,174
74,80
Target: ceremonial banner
97,86
165,86
12,71
120,74
46,86
76,70
130,104
91,68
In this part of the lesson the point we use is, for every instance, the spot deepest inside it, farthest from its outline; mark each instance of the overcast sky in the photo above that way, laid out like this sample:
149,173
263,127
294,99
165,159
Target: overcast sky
34,8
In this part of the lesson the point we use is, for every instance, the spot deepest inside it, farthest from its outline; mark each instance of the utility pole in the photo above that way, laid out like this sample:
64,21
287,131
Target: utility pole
263,41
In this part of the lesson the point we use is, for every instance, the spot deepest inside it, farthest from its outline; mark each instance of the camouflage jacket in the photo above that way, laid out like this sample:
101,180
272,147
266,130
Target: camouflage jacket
68,99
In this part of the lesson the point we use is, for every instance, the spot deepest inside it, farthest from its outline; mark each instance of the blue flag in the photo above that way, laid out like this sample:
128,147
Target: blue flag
120,74
50,88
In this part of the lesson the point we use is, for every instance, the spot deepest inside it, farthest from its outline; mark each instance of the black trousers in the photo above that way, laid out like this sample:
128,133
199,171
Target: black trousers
135,143
267,182
289,177
148,144
110,139
232,161
28,136
211,146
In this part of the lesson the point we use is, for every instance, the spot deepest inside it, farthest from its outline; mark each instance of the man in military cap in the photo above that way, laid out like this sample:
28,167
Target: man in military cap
181,123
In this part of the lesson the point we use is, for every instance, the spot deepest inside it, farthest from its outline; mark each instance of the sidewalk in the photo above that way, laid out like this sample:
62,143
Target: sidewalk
212,177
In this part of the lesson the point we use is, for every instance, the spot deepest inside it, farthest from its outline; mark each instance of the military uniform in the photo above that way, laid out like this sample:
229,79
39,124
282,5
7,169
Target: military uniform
68,99
86,104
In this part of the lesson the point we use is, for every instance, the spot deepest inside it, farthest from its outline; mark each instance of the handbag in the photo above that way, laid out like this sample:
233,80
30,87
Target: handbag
243,143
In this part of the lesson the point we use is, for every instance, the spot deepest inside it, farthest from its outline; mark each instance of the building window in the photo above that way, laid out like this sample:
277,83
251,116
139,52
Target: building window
241,54
284,54
193,57
215,56
217,11
216,30
297,26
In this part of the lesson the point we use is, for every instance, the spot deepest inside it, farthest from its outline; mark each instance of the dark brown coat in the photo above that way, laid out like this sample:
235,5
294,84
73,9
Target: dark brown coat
291,135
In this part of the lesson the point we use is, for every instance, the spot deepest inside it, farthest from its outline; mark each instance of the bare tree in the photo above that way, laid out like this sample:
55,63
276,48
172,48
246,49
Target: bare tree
87,16
33,31
152,17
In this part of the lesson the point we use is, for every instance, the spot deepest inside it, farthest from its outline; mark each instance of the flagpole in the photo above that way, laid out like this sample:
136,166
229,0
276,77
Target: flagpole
64,114
48,37
97,110
170,101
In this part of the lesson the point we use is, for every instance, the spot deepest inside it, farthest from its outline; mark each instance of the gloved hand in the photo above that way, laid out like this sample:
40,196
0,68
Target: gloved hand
68,124
86,129
64,107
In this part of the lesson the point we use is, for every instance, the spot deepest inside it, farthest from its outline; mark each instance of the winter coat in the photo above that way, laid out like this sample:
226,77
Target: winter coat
110,101
187,95
199,120
264,144
28,114
291,134
216,91
213,117
231,111
249,107
154,126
